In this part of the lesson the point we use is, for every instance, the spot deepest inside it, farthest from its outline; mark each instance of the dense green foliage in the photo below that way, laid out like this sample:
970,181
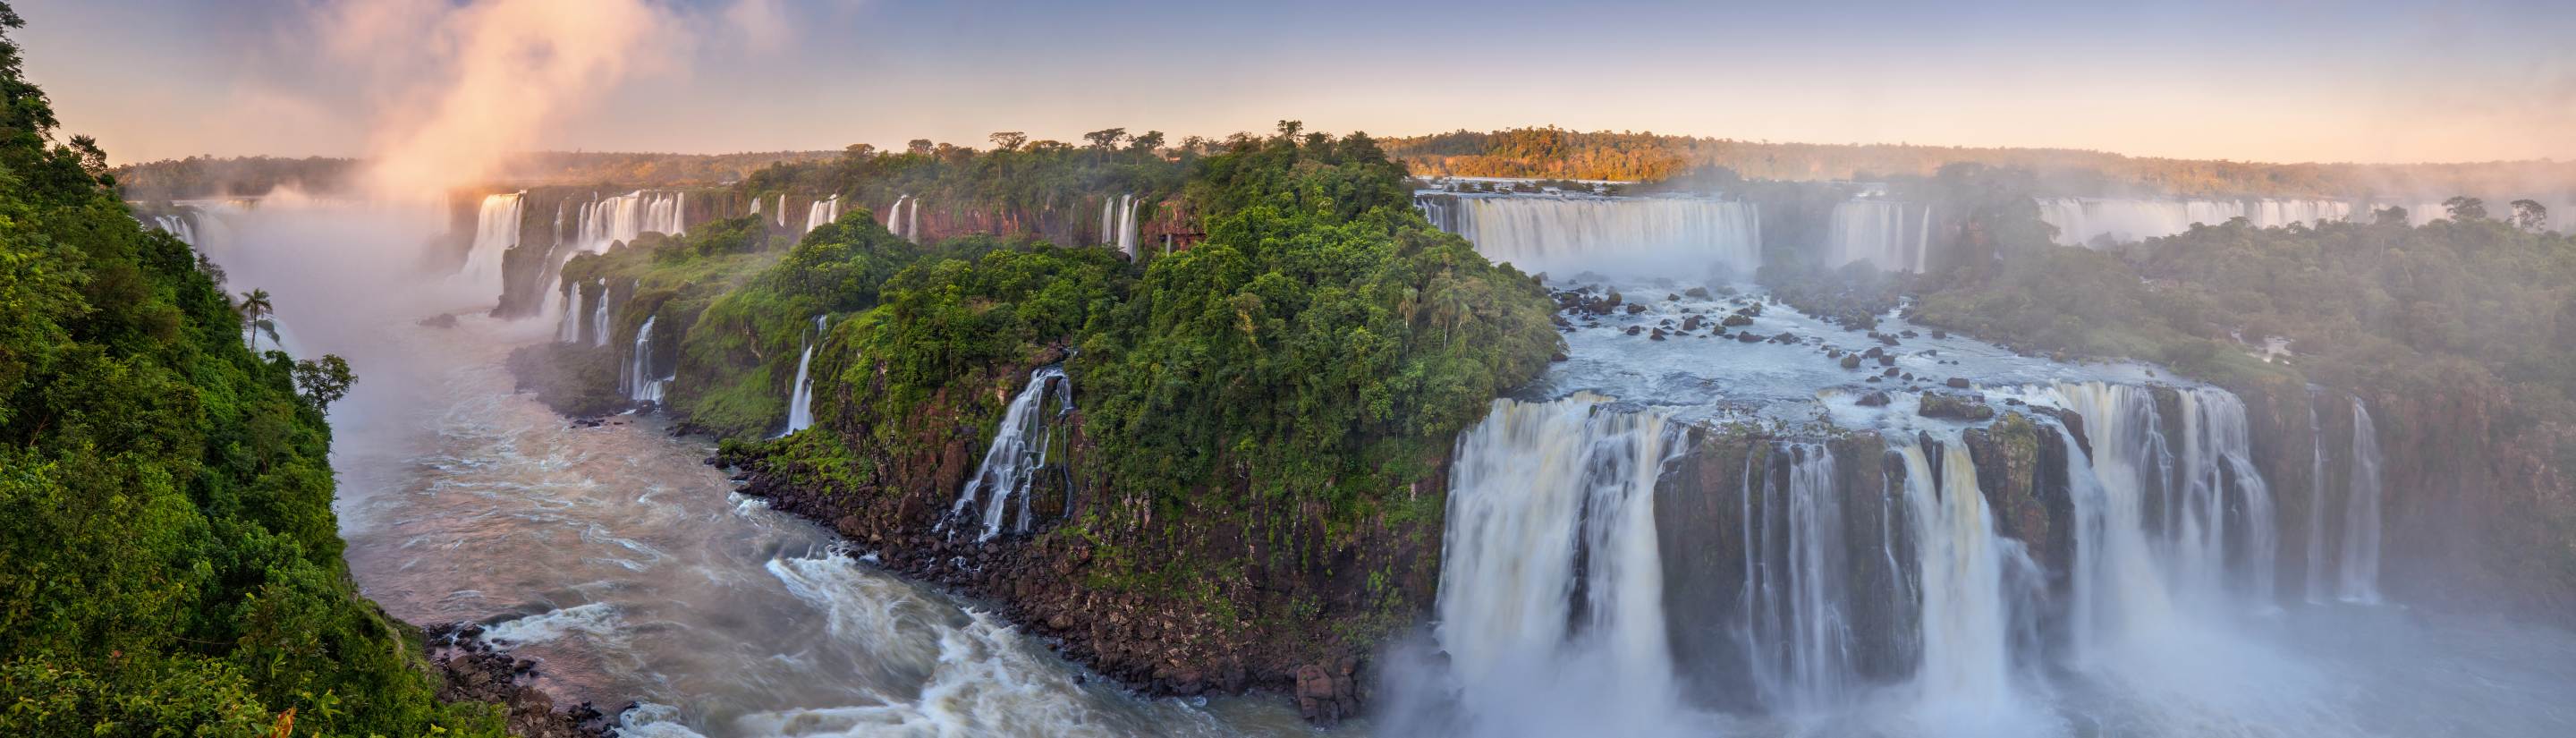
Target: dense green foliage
1558,153
169,561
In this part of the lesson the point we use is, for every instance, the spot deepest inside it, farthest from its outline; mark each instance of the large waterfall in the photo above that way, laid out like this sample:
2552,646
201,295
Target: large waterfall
1665,237
1976,588
822,211
496,231
1118,224
1031,436
2087,221
1551,595
800,403
622,218
2359,581
1892,236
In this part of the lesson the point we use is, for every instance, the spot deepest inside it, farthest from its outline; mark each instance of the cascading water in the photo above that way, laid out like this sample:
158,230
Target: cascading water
1029,436
1126,225
1798,594
2087,221
894,219
1891,236
2316,584
639,381
800,404
781,210
568,330
821,212
1666,237
599,316
2207,507
496,231
912,224
2359,580
177,225
622,218
1551,508
1973,582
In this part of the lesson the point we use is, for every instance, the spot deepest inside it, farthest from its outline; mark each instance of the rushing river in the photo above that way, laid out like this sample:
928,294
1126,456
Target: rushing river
614,556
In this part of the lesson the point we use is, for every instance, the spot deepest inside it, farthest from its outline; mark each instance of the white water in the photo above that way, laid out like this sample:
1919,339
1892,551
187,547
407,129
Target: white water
1126,224
599,316
496,231
2084,221
639,381
1967,682
1891,236
568,329
2316,584
176,225
2359,581
1021,448
622,218
1537,488
1798,599
800,404
822,211
1684,238
896,222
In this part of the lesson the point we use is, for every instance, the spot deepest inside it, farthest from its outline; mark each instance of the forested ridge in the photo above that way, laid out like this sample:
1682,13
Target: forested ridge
169,560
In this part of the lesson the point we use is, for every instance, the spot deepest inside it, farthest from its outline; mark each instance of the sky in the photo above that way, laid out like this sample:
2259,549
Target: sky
2253,80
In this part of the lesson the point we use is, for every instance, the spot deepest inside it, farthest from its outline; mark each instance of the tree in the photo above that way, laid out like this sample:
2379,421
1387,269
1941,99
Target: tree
255,307
919,146
1009,140
324,381
1106,139
2391,215
2530,215
2465,208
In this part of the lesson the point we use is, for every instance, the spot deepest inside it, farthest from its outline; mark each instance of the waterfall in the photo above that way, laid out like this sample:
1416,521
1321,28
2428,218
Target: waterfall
2081,221
912,227
1127,225
496,231
1108,222
1798,600
821,212
599,316
1665,237
2360,566
176,224
781,210
2316,588
1891,236
622,218
1971,581
1022,445
569,329
800,404
1551,596
639,381
894,220
2199,496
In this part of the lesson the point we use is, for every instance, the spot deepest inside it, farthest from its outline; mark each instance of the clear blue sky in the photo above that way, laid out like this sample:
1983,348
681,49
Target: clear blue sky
2285,80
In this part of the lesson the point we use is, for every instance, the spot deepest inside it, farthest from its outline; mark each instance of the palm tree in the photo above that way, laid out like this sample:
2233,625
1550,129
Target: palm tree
255,308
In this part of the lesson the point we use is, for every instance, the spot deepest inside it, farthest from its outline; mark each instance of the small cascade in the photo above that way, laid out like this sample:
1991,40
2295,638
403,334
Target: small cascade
2089,221
1031,433
599,316
2359,581
1662,237
568,330
1551,596
496,231
1799,590
1436,210
781,210
1892,236
912,224
821,212
2316,588
177,225
894,219
639,381
2187,486
1108,222
1126,225
800,403
622,218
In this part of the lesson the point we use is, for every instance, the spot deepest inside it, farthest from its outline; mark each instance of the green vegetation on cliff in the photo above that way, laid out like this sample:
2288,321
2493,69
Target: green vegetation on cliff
169,561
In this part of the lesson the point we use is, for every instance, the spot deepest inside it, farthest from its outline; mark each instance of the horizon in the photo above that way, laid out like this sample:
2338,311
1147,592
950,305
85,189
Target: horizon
706,77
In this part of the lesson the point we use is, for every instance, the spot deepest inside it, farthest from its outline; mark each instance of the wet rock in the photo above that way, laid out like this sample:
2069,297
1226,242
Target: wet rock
1748,337
1634,308
1851,361
1785,337
1954,407
1890,373
1957,383
1557,356
1657,335
1909,334
1691,323
1634,330
1939,334
1886,360
1737,320
1875,399
1698,292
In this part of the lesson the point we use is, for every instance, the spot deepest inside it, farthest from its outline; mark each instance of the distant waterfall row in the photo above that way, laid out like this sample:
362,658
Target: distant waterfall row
1578,579
1027,451
1892,236
2086,221
1673,237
